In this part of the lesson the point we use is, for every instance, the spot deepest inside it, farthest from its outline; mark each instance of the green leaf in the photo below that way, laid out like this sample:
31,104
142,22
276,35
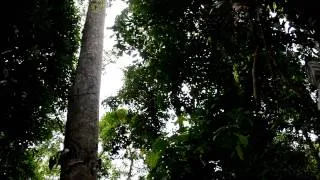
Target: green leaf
243,140
274,5
152,159
239,152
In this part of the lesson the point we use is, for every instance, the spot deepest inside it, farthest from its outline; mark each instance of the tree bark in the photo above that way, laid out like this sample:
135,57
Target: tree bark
79,157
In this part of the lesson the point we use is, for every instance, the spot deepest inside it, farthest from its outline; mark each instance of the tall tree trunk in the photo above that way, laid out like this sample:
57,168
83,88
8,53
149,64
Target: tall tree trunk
79,158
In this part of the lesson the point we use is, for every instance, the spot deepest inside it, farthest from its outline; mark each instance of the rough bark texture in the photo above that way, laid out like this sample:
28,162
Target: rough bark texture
79,159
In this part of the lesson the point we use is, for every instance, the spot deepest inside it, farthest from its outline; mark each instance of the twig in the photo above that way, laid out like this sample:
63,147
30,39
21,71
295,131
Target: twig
254,81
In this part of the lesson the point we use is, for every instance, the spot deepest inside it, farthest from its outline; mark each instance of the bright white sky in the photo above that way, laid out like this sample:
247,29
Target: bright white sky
112,75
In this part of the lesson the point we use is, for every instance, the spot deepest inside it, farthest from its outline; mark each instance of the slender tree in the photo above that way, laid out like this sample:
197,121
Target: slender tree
79,158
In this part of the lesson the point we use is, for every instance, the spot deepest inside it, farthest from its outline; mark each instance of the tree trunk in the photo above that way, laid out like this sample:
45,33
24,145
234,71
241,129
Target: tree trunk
79,158
131,164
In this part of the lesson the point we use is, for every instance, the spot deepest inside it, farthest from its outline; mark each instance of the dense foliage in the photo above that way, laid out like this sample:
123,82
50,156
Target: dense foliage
38,47
115,129
234,74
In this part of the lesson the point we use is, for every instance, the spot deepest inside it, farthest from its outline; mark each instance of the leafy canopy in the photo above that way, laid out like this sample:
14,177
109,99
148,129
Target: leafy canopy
233,72
38,47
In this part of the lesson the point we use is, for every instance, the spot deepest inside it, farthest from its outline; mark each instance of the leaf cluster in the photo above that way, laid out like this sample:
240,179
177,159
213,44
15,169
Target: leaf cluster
235,72
38,46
